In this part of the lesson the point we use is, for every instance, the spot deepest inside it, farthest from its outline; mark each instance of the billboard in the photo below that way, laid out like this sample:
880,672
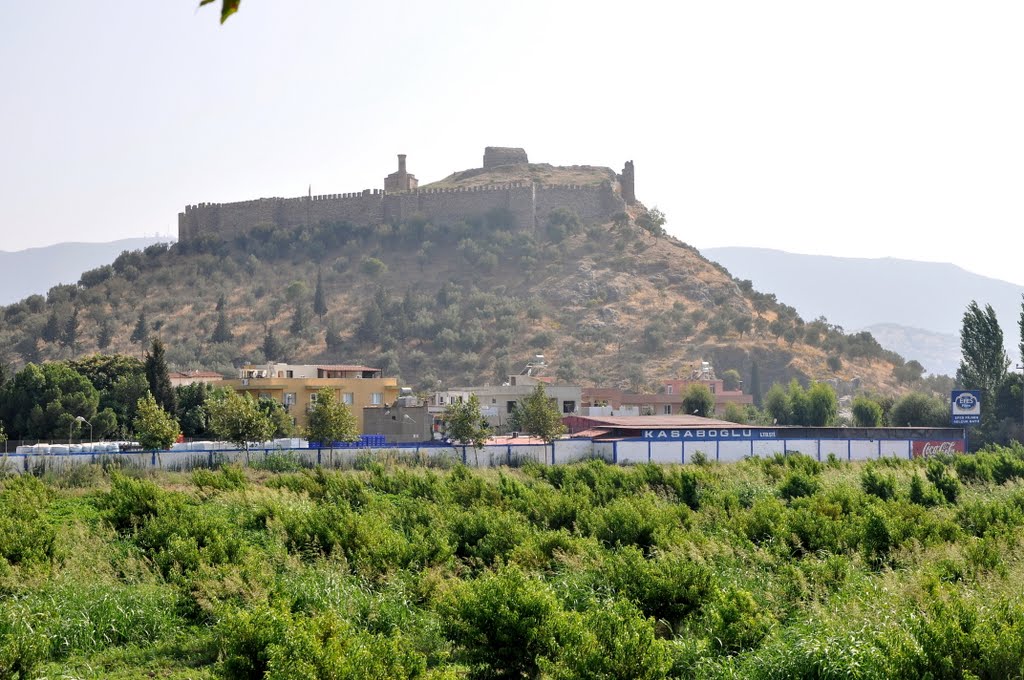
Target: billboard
965,407
920,448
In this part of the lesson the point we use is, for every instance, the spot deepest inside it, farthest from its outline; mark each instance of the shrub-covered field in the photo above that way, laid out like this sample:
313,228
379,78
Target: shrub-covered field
774,568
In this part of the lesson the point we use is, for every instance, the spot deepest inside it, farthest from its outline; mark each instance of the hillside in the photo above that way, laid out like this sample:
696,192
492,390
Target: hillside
540,173
36,270
924,298
444,303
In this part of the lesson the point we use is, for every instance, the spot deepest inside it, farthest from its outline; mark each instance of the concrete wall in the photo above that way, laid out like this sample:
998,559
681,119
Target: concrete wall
623,452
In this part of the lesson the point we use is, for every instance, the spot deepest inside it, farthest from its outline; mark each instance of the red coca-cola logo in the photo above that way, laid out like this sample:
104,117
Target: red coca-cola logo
924,449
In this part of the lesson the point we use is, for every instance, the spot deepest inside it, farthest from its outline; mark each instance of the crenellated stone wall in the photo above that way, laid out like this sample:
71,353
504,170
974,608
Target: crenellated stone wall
528,202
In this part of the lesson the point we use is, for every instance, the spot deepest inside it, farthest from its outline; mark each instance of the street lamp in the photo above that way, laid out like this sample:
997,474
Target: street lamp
80,419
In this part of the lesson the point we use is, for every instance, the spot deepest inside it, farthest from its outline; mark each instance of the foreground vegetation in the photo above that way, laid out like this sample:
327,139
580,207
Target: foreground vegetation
772,568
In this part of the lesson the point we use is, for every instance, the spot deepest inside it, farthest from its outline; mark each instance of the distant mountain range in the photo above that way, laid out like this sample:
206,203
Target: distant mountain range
913,308
36,270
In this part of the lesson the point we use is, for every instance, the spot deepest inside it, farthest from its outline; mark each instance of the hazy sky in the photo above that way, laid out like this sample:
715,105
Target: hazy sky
865,129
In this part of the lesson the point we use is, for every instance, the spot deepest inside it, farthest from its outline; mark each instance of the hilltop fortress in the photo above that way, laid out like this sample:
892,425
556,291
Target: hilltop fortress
528,201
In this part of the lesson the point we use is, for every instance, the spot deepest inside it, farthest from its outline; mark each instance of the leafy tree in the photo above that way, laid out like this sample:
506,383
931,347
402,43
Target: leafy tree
983,360
330,420
742,324
3,434
158,376
319,298
698,400
278,415
909,372
373,267
122,398
191,411
238,419
1020,325
731,379
653,221
104,370
539,416
141,330
567,371
917,409
735,413
42,402
155,428
823,405
776,405
799,404
866,412
464,424
332,338
834,363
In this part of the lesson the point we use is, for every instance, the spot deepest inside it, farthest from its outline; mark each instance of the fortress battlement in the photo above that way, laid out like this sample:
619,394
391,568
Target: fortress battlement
528,202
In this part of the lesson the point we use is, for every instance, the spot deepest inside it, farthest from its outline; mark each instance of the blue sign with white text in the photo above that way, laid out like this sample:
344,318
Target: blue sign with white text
965,407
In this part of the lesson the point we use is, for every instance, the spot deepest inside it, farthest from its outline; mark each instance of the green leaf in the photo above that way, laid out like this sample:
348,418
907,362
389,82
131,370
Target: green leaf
227,8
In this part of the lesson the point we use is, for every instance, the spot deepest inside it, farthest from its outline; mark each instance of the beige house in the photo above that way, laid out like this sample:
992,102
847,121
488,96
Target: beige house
296,386
497,401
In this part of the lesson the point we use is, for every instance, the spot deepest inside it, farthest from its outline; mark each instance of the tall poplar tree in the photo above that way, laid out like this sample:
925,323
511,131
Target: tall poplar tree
983,361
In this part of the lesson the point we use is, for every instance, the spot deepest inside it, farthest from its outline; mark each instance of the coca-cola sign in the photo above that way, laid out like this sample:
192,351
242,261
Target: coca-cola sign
924,449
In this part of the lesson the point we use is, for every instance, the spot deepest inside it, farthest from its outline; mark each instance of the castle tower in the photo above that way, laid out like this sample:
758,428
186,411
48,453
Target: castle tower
401,180
626,184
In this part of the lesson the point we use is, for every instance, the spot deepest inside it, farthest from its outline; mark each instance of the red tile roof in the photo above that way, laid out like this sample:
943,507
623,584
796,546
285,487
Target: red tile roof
655,422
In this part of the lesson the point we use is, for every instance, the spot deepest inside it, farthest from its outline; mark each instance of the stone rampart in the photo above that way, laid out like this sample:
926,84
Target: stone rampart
528,202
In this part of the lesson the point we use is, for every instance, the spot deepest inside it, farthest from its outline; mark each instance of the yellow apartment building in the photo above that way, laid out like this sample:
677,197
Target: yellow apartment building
296,386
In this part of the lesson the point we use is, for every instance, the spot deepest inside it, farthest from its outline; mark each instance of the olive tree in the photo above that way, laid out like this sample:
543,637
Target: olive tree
331,420
238,419
155,428
464,424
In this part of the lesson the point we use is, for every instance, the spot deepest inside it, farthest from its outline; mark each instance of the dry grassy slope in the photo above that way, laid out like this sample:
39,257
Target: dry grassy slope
541,173
589,297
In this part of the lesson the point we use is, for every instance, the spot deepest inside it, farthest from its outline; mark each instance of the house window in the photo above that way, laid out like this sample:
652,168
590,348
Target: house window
264,395
568,406
347,398
289,398
712,386
290,374
440,399
667,410
668,389
376,398
510,406
312,398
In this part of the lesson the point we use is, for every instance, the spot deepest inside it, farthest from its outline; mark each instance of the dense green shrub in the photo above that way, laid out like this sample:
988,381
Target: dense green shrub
878,484
27,535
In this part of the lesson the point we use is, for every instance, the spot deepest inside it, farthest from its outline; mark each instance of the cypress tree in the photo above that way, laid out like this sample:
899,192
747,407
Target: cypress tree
159,378
319,299
141,330
755,384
